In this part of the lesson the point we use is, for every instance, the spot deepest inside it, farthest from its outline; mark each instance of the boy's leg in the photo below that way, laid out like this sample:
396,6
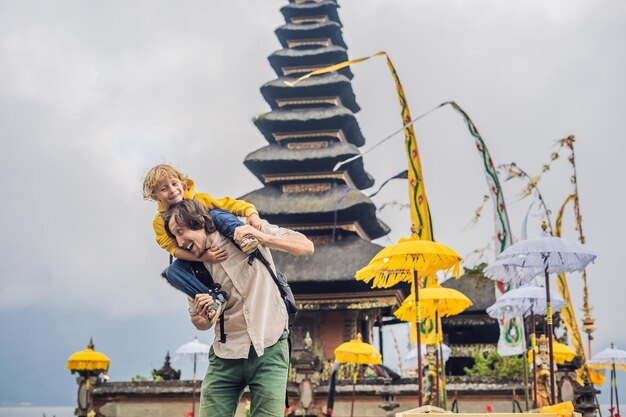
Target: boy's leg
222,387
180,276
226,223
267,379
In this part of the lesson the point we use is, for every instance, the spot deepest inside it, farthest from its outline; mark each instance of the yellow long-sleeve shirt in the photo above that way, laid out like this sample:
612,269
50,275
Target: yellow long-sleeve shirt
237,207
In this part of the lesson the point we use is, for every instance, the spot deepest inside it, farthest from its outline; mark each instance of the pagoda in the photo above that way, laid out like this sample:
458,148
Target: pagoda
309,129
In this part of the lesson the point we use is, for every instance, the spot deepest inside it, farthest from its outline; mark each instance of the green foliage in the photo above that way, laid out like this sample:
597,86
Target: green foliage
496,365
141,378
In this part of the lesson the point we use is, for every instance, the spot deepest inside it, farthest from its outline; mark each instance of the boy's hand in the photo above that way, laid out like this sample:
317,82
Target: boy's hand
214,255
255,221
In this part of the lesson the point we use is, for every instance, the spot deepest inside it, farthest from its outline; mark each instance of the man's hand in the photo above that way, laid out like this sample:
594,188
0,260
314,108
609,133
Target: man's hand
255,221
248,229
203,303
214,255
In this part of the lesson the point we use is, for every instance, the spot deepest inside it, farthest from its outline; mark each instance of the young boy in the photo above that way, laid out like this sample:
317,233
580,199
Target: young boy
166,185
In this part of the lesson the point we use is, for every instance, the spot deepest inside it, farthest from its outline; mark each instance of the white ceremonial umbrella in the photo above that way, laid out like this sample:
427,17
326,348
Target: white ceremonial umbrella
196,352
527,301
552,255
610,358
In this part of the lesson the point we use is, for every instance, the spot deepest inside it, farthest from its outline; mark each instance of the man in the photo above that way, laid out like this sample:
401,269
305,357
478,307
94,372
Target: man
255,353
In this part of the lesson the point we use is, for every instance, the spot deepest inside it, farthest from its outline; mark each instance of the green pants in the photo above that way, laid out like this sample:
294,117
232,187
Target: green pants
226,379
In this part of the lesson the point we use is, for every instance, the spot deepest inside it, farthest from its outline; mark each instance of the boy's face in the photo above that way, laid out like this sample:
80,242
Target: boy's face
195,241
169,191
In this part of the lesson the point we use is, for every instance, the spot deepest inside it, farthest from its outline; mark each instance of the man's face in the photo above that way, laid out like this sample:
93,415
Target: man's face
169,191
195,241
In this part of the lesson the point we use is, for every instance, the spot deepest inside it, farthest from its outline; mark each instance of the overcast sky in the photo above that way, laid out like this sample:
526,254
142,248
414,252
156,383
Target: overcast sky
92,94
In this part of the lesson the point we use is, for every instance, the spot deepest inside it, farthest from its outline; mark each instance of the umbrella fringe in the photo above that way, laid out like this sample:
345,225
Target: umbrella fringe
400,269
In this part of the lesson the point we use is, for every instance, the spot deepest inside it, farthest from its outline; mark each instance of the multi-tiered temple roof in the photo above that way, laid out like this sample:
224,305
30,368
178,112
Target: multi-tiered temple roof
310,128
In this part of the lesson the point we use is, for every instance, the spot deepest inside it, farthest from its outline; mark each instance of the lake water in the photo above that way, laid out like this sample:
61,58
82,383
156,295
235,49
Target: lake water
39,411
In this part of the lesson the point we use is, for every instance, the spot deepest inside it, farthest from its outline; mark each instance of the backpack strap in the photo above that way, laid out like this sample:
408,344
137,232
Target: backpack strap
257,254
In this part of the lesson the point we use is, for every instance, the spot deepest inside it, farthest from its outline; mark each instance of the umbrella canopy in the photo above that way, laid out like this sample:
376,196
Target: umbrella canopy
555,254
446,301
562,353
609,357
192,351
398,262
358,352
510,270
526,299
409,361
88,360
504,310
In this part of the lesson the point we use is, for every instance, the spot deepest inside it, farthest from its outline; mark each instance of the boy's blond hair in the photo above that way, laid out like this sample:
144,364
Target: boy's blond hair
156,174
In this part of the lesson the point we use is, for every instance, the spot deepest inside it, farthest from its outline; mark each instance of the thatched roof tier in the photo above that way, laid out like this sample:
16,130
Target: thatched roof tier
318,208
332,262
293,12
297,62
479,289
277,159
326,85
330,31
336,118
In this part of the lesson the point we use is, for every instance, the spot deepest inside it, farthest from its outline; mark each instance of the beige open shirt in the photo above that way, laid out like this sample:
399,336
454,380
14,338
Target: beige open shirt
255,314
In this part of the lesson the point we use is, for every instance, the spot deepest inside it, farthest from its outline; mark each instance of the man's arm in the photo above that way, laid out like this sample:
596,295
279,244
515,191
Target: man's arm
294,243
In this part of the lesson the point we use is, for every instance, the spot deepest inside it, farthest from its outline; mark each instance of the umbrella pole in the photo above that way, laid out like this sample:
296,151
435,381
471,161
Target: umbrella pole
525,362
193,389
380,337
550,337
437,357
611,409
533,346
353,390
418,324
615,383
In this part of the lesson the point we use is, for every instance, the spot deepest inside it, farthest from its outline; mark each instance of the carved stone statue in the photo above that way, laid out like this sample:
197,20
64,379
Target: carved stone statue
543,373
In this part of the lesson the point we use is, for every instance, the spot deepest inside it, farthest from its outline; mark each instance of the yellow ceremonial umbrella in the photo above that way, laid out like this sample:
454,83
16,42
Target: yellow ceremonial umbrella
87,363
88,360
562,353
359,353
400,262
437,301
406,261
443,301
